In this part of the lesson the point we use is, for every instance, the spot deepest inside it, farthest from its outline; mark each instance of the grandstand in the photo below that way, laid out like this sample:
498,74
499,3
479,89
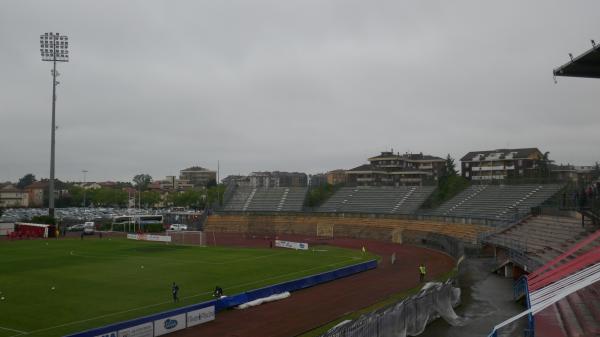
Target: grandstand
540,238
366,199
273,199
383,229
497,201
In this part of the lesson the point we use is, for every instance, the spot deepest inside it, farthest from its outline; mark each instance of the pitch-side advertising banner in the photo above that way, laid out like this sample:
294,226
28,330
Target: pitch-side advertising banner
200,316
149,237
291,244
169,324
142,330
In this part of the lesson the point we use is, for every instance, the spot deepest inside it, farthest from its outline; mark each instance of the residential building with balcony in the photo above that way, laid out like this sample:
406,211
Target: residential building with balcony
198,176
395,169
336,177
10,196
501,164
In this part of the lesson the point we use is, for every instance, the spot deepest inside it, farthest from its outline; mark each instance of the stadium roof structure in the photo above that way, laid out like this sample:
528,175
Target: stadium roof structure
585,65
550,286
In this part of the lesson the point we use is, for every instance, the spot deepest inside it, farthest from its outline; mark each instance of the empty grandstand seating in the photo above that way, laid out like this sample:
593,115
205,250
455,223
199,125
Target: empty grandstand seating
356,227
541,238
364,199
497,201
274,199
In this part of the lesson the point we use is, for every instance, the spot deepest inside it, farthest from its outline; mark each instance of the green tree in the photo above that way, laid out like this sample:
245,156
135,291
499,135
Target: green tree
544,165
214,195
26,180
76,194
450,169
142,181
189,198
108,197
596,171
150,198
318,195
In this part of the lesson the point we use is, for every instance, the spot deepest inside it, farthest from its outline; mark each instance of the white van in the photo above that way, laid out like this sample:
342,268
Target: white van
178,227
89,228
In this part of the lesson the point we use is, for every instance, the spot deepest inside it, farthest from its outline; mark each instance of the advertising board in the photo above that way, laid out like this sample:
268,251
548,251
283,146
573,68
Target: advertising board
200,316
149,237
108,334
142,330
291,244
169,324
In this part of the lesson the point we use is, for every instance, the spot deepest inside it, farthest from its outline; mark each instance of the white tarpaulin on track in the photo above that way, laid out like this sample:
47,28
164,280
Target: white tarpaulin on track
274,297
291,244
149,237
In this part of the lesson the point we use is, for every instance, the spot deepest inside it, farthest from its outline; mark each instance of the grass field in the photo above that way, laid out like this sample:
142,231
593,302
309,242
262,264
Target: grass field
104,281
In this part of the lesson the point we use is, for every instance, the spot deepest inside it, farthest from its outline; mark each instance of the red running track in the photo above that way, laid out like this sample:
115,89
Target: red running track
316,306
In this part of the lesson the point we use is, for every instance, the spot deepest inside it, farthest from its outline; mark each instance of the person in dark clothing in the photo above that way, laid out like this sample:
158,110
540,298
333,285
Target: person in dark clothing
81,235
175,291
218,292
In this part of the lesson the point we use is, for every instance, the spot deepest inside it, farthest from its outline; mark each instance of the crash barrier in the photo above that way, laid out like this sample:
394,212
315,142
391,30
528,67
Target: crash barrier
447,244
177,319
408,317
187,237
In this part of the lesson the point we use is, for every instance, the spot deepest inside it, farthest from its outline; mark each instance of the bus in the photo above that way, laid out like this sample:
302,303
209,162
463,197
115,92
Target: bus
133,223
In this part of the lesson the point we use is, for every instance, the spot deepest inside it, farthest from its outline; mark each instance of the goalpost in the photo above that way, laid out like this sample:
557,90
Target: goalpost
187,237
325,231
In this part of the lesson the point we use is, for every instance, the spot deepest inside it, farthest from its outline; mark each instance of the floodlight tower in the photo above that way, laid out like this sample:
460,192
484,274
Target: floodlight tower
84,187
54,48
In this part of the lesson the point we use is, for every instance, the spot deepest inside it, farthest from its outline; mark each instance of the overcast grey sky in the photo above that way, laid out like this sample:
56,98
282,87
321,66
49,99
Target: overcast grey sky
157,86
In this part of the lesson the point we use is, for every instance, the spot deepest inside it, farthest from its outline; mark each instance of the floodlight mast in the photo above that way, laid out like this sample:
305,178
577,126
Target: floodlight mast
55,48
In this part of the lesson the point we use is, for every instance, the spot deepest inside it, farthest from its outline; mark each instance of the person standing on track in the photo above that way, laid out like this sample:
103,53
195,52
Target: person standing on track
422,272
175,291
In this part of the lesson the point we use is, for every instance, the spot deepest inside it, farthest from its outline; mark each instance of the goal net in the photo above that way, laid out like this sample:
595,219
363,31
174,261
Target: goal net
325,231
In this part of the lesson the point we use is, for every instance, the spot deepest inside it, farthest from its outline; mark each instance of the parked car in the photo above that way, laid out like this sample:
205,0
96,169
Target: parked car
75,228
178,227
89,228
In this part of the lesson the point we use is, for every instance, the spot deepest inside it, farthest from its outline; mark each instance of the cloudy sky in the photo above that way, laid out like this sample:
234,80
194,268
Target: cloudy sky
157,86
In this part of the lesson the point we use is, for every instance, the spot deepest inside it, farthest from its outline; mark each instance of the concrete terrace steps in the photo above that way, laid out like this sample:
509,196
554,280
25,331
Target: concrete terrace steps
496,201
393,200
542,237
275,199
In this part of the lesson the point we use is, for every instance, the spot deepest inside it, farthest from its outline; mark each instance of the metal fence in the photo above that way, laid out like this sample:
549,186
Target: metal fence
447,244
408,317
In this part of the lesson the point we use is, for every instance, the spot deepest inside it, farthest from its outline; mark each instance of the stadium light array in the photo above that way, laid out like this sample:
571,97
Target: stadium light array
53,48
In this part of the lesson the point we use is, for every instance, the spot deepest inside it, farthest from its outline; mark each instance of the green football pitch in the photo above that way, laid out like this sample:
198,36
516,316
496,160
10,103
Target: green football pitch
56,287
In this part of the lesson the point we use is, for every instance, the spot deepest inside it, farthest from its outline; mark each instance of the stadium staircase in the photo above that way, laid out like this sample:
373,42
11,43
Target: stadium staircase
275,199
387,200
507,202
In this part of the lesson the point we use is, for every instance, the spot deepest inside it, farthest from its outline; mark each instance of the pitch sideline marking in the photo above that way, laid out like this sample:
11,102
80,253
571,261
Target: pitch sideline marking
166,302
13,330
